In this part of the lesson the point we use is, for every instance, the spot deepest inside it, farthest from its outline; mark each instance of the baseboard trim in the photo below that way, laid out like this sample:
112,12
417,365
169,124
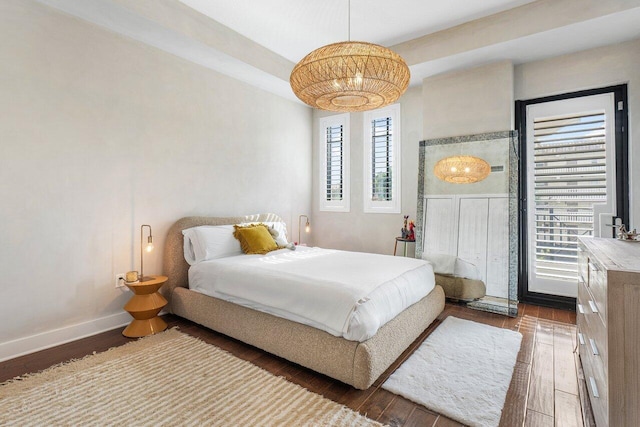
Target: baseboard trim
546,300
48,339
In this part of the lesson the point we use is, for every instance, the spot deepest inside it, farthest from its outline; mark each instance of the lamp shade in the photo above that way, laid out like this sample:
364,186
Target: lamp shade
462,169
350,76
148,248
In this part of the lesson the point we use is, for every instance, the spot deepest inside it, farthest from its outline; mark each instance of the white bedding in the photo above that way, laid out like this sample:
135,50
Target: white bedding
347,294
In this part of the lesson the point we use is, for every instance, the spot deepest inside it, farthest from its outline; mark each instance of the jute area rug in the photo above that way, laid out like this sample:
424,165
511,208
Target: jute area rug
462,370
166,379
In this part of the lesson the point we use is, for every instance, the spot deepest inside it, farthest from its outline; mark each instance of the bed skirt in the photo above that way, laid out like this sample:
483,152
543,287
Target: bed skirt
356,363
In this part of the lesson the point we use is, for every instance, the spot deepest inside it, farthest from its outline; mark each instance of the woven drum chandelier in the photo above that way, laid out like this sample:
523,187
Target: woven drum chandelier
350,76
462,169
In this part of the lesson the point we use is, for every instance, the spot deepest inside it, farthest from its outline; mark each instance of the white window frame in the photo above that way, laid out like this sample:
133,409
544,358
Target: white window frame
394,205
325,122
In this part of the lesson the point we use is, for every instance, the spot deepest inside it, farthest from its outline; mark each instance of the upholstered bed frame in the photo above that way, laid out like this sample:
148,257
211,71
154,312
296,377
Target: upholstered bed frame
356,363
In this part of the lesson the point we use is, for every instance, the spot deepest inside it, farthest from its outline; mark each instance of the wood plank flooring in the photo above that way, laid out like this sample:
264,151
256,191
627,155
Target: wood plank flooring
543,390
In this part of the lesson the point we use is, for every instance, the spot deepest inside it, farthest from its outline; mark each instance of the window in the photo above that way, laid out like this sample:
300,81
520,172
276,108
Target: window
382,160
334,167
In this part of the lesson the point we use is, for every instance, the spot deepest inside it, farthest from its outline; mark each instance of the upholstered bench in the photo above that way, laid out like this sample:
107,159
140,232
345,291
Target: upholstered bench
460,279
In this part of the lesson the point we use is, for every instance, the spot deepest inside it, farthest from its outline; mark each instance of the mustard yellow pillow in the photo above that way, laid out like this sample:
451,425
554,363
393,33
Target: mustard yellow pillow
255,239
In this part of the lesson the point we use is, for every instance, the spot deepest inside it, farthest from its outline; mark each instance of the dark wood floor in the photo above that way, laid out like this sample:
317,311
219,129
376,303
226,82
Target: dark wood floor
543,391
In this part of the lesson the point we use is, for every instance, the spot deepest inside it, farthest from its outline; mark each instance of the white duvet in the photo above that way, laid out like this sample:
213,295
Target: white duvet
347,294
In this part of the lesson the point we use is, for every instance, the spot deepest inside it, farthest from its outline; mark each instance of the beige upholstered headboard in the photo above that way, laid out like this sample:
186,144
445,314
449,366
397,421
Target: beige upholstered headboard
175,266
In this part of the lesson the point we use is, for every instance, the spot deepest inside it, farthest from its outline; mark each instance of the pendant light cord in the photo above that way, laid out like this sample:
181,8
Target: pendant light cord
349,17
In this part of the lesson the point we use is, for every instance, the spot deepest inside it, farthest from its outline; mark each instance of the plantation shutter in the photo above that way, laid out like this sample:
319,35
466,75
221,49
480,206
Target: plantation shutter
382,159
335,169
570,177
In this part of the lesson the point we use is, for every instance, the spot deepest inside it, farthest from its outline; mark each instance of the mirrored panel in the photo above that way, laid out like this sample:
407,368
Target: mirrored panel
467,221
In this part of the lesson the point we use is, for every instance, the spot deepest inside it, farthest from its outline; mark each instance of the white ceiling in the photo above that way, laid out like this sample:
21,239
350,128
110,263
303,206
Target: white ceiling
278,33
293,28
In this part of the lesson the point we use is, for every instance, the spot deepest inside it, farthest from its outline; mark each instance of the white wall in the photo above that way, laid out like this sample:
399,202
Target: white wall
594,68
369,232
467,102
100,134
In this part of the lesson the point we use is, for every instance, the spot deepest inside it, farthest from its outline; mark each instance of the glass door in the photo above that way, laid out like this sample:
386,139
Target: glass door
571,186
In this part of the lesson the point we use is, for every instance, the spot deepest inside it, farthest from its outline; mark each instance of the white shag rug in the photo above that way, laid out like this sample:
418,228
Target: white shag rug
462,370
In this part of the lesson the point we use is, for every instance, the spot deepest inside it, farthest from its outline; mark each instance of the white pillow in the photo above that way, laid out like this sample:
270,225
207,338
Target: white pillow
209,242
280,227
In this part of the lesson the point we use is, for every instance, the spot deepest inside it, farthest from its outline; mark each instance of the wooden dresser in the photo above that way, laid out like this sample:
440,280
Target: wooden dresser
608,326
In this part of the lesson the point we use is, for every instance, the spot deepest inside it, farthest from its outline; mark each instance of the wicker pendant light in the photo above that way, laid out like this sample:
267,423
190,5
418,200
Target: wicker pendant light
350,76
462,169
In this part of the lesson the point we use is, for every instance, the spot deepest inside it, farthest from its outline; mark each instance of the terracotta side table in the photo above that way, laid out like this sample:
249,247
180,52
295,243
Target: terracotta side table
144,307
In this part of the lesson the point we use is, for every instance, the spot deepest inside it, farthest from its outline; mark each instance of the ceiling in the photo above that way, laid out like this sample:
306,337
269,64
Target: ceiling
293,28
259,41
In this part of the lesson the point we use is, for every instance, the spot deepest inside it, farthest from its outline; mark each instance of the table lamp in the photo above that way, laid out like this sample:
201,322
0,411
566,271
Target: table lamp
307,227
148,247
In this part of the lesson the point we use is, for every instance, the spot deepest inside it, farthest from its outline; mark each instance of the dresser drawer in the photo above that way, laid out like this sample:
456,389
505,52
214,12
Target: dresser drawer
593,352
597,389
597,284
593,331
583,264
581,321
594,359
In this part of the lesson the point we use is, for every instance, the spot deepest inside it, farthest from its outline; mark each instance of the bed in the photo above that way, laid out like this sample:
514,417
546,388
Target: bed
358,363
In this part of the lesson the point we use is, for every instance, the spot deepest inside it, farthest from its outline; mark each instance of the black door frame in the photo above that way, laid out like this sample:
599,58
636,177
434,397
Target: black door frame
622,183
